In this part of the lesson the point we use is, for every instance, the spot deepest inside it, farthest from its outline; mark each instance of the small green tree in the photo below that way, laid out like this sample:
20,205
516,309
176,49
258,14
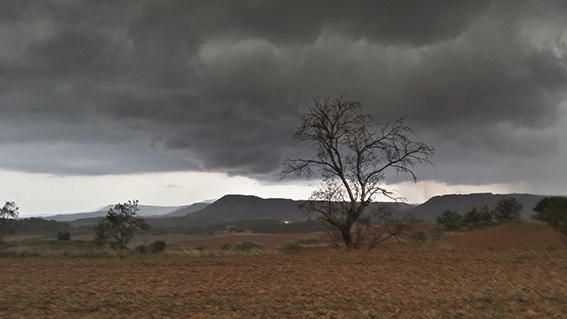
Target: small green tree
120,225
553,211
486,216
477,218
451,220
8,213
472,217
508,210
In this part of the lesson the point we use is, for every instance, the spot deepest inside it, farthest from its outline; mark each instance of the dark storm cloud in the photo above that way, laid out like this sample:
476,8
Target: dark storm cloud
398,22
136,86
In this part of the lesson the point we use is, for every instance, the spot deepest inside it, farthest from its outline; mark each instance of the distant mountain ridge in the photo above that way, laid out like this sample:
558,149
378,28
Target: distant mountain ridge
144,211
231,208
462,203
239,207
186,210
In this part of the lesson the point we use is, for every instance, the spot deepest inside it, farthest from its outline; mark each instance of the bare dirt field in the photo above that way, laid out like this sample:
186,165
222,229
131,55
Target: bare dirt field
460,276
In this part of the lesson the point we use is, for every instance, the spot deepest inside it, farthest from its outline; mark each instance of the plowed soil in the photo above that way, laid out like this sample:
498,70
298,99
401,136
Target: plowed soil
394,281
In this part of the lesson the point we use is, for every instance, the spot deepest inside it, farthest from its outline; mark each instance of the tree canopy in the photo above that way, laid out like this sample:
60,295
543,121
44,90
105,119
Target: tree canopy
553,211
8,213
120,225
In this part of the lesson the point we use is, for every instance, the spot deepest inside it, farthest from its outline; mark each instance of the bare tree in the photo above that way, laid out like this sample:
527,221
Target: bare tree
354,154
8,213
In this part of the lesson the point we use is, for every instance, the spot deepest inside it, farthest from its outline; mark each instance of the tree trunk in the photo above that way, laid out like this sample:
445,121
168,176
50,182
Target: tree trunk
346,233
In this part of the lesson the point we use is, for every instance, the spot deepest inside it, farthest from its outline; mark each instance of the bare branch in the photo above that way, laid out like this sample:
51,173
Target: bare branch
352,157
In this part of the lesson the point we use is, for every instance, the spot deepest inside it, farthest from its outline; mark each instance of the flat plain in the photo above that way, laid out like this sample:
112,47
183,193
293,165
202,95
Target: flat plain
510,272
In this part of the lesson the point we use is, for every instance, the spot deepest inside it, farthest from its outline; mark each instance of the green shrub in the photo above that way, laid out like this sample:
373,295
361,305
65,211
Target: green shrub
310,241
478,218
508,210
553,211
63,235
451,220
291,247
158,246
436,233
19,254
248,246
142,249
419,236
120,225
235,229
227,246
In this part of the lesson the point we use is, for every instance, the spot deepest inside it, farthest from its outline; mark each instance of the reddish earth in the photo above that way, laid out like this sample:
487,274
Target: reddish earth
532,236
269,241
394,281
508,236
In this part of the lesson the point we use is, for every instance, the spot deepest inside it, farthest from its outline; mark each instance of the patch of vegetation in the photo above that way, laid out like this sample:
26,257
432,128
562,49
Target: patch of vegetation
478,218
18,254
120,225
258,226
141,249
235,229
291,247
310,241
157,247
52,248
553,211
277,227
451,220
248,246
8,214
63,235
506,211
419,236
38,226
436,233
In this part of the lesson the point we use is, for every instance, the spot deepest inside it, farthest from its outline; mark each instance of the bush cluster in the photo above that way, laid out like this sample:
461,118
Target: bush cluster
291,247
156,247
553,211
243,246
506,211
419,236
310,241
64,235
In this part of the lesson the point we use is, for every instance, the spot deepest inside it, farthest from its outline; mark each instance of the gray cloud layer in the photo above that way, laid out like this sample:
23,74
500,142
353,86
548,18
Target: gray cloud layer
96,87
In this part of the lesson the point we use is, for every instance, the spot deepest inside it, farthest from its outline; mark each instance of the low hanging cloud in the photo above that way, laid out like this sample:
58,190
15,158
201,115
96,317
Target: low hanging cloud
106,87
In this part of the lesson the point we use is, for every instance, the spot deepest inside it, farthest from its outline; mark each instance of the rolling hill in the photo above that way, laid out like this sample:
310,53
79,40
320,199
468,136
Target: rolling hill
144,211
184,211
461,203
244,207
233,208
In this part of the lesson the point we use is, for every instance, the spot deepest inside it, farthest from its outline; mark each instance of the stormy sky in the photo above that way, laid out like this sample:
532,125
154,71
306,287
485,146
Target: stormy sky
176,101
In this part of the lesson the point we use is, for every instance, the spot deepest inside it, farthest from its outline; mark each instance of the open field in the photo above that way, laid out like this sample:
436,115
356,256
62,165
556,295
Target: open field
493,273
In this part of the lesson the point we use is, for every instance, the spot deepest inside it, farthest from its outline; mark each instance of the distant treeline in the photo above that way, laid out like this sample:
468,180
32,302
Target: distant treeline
36,226
506,211
265,226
